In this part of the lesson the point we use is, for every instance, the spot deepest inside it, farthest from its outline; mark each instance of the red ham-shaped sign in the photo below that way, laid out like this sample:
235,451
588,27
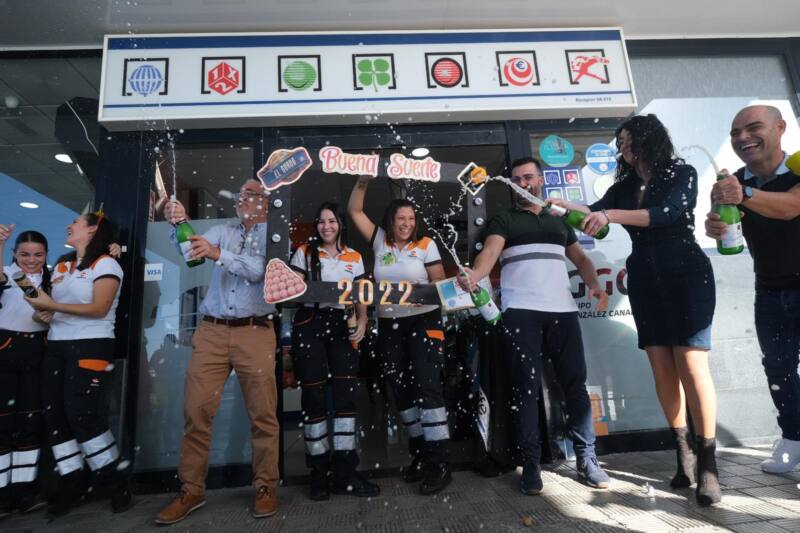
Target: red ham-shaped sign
281,283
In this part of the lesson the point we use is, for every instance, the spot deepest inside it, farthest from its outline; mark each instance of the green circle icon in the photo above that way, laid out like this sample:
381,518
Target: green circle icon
299,75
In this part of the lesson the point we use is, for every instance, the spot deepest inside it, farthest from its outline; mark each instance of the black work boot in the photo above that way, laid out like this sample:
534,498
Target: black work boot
121,494
70,493
6,503
708,491
687,460
320,489
414,473
356,485
26,497
436,478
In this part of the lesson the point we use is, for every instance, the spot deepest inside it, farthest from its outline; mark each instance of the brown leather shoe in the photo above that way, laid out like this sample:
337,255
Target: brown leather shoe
180,507
265,503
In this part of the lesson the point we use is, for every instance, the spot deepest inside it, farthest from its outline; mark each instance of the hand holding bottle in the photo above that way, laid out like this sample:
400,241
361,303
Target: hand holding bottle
174,211
727,190
594,222
466,279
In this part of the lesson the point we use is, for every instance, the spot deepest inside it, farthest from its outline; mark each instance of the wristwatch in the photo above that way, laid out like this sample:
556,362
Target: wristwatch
747,193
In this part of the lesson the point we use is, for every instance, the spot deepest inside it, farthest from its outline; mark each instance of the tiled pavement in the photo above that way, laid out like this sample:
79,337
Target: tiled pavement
639,500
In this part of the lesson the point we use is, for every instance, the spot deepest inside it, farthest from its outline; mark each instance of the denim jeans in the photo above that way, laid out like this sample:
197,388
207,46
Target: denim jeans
531,336
778,329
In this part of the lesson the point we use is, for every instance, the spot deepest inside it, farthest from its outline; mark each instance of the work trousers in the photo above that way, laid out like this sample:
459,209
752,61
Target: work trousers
323,356
412,356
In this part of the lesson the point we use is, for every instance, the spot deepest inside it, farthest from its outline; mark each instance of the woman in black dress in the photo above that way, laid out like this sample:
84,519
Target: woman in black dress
670,286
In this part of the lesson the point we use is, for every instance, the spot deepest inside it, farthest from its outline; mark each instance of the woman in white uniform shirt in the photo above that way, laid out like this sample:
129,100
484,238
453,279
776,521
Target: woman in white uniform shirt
410,338
323,352
22,346
77,366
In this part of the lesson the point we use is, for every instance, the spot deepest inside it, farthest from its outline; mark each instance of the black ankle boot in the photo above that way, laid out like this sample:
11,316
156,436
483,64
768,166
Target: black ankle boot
687,460
708,491
320,489
121,494
436,478
414,472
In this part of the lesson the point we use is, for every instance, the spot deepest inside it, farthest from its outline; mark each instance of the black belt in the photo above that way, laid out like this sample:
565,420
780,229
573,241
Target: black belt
31,334
240,322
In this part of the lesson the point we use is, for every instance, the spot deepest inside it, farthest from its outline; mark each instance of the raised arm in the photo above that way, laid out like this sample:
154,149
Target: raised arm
5,234
355,208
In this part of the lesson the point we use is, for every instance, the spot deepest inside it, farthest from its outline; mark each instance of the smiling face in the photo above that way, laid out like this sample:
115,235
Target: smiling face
756,135
252,202
30,257
79,233
529,177
328,226
625,147
404,223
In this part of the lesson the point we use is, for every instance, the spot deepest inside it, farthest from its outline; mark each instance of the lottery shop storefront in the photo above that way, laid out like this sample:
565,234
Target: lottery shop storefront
195,115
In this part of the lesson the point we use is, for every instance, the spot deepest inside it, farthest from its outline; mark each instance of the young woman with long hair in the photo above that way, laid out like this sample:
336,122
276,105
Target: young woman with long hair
324,352
78,363
410,338
670,286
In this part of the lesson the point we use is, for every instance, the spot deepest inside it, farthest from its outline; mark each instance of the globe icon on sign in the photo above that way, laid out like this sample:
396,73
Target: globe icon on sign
146,80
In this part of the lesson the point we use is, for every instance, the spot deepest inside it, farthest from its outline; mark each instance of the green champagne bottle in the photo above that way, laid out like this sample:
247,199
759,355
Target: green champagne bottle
184,230
574,218
484,303
732,241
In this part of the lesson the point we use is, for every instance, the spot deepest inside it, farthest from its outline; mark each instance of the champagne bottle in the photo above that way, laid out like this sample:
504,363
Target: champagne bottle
184,230
484,303
732,241
574,218
25,284
352,323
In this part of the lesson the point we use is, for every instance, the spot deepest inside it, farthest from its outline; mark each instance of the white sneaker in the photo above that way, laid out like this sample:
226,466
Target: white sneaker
785,456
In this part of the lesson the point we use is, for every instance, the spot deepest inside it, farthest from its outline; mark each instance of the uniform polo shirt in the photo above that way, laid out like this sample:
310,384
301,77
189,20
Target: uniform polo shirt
347,264
15,313
407,264
73,286
533,264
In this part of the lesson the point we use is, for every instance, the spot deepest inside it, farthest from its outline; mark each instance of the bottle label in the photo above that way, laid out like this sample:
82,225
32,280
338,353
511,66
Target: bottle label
489,311
733,236
186,250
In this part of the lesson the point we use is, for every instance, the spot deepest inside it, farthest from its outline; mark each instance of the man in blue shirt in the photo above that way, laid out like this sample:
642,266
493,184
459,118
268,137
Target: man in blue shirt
236,334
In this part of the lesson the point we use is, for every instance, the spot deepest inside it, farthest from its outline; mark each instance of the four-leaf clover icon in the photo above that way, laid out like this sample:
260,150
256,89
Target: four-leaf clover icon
374,72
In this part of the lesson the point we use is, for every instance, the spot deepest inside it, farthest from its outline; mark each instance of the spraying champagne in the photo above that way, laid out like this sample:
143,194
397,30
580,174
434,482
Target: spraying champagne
25,284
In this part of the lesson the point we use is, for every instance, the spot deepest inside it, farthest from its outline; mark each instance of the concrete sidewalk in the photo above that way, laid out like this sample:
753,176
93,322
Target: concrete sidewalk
639,500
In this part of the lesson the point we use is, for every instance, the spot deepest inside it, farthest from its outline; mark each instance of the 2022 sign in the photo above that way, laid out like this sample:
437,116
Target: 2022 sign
366,294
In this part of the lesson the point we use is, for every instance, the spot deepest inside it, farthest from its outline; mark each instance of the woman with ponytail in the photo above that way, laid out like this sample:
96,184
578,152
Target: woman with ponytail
78,363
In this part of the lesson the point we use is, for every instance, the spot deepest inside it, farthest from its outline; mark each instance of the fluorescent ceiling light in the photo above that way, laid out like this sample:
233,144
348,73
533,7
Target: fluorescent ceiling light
68,246
28,205
420,152
64,158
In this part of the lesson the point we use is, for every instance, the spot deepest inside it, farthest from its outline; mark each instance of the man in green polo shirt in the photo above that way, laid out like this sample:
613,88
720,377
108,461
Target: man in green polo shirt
539,313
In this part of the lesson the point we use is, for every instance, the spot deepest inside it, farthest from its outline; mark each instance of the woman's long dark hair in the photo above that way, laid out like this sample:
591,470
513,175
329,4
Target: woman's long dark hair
37,238
388,219
315,241
650,142
99,243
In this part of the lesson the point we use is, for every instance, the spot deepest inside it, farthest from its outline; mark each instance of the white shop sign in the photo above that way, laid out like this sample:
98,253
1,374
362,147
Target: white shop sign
352,78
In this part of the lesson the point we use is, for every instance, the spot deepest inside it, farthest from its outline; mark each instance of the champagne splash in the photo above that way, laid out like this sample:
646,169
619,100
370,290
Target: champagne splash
703,149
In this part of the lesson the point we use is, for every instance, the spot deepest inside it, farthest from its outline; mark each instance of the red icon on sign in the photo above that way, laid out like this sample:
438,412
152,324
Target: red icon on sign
587,65
223,78
447,72
518,71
